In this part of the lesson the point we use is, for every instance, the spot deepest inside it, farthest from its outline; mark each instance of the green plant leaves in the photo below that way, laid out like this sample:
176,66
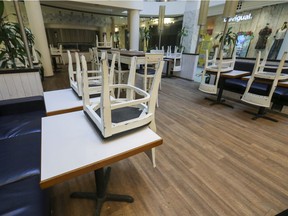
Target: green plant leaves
11,38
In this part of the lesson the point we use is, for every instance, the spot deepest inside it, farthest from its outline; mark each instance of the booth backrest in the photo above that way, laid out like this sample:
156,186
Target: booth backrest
20,83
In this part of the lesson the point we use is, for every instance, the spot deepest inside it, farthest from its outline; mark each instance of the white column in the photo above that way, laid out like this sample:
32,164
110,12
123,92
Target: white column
134,24
36,25
190,20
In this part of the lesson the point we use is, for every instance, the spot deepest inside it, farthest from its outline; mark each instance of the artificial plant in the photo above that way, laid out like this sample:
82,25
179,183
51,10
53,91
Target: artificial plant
230,37
11,42
146,36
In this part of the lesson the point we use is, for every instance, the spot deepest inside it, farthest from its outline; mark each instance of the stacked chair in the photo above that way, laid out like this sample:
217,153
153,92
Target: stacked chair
120,70
75,77
116,115
215,67
177,60
58,52
147,74
105,44
262,73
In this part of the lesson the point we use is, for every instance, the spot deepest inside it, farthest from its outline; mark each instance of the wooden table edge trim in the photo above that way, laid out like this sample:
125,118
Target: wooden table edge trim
64,111
91,167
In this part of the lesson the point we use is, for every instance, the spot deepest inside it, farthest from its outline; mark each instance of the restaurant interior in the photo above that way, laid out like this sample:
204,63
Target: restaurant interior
181,105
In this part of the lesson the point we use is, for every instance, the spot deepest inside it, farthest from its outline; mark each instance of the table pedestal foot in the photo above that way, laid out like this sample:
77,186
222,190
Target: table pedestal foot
221,102
261,114
101,195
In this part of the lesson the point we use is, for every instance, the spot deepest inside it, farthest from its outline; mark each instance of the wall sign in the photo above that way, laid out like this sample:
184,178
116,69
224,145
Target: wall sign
239,18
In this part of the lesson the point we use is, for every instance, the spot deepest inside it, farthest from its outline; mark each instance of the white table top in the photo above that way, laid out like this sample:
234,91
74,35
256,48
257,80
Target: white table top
71,146
63,101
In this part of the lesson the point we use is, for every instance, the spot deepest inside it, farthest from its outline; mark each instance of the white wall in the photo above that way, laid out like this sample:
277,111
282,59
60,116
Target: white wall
172,8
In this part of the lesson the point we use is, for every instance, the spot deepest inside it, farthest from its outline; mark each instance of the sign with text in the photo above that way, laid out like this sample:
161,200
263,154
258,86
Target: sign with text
239,18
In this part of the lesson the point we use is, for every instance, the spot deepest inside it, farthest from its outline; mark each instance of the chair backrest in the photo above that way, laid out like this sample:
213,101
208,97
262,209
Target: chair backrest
168,53
60,49
87,91
118,59
78,74
70,68
152,61
177,63
175,49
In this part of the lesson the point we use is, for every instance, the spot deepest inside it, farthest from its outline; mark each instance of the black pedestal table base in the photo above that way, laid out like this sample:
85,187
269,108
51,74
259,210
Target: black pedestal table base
101,195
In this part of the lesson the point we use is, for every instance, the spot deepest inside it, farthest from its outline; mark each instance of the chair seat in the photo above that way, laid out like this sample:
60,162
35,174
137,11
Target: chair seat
239,86
215,69
270,75
123,114
150,71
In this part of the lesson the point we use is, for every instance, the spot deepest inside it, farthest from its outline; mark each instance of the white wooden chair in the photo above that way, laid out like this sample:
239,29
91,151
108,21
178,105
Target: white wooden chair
260,74
169,52
96,61
120,72
105,43
72,73
113,115
57,53
147,74
215,67
177,61
95,79
151,64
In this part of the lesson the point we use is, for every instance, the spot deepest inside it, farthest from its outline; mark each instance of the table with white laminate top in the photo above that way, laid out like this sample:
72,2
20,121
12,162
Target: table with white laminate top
63,101
71,146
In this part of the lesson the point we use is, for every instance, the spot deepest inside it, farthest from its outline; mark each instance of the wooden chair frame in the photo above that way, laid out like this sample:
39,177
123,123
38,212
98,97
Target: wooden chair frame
260,73
146,102
118,71
216,67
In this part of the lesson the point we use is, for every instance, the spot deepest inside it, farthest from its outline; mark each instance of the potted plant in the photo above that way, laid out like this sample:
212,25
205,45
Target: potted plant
229,41
11,42
146,37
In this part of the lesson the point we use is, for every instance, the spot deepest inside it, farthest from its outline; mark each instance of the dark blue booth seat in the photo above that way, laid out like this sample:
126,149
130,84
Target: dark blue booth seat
280,95
239,86
20,124
24,198
20,153
20,164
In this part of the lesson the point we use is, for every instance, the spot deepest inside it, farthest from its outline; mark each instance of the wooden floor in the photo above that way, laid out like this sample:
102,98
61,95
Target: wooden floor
214,161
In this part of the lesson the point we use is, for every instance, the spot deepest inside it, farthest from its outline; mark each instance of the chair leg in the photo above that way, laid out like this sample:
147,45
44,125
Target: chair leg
153,152
119,82
63,62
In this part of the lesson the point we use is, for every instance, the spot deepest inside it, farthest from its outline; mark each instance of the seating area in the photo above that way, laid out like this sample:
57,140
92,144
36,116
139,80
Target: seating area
183,119
163,108
278,94
20,156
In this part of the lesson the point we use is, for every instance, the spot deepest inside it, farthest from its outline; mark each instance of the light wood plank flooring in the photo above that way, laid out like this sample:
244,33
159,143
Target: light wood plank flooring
214,161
